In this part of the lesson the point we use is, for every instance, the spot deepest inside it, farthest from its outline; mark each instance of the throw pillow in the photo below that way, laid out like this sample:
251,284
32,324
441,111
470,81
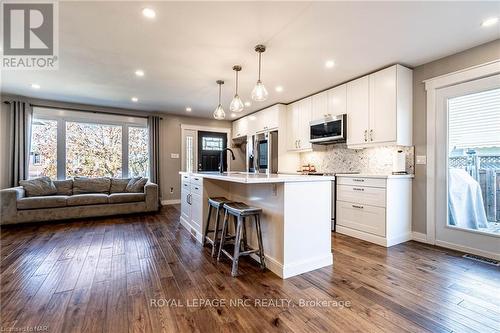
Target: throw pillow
82,185
136,185
38,187
64,187
119,185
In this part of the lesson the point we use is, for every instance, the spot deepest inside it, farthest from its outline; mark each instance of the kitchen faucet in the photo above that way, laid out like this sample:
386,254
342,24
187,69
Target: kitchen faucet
221,163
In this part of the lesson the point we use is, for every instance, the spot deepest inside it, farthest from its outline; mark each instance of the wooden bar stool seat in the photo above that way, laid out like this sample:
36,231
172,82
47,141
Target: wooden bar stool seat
241,213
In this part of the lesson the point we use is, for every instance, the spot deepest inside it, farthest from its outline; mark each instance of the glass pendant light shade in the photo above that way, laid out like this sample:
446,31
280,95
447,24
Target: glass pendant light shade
259,92
236,104
219,113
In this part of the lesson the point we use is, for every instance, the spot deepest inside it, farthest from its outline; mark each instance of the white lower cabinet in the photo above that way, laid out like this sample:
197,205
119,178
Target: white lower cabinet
377,210
192,204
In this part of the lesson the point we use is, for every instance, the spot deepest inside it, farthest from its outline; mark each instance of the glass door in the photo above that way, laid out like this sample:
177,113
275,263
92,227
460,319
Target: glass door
468,166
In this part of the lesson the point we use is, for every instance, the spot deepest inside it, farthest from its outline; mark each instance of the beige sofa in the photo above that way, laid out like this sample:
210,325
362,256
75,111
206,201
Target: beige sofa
70,202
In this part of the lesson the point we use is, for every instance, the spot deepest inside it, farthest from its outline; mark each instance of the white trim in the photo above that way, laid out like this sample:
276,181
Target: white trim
431,85
196,128
297,268
170,202
419,237
467,249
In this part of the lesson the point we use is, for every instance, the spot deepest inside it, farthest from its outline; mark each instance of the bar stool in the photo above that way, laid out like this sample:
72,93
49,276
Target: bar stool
240,211
217,203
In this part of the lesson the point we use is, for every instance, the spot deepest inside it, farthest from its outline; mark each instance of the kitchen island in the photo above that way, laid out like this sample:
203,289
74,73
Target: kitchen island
296,214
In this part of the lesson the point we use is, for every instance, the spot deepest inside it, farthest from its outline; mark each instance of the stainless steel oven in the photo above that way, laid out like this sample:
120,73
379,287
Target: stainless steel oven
329,130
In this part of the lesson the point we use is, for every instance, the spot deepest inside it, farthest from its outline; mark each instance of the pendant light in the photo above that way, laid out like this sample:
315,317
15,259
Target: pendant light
236,104
219,113
259,92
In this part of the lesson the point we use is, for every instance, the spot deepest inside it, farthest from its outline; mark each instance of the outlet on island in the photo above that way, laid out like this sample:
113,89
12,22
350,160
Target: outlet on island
171,190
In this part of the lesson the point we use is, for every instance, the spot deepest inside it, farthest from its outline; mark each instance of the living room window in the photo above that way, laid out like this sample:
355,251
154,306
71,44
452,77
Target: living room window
66,144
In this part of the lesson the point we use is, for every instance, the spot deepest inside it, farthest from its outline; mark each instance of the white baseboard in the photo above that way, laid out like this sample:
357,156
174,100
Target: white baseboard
467,249
170,202
419,237
297,268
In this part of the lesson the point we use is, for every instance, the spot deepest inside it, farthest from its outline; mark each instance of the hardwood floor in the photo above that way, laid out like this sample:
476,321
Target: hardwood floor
114,275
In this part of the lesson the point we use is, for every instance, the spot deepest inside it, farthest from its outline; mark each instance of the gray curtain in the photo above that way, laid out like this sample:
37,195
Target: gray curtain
154,148
21,115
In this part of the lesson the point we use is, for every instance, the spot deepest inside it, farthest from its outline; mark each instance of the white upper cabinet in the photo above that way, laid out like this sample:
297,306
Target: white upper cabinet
299,115
329,103
240,127
320,105
265,120
337,100
357,111
379,108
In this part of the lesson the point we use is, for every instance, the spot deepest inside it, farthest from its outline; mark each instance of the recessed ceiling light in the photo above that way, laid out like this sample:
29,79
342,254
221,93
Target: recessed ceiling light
329,64
188,109
247,104
489,22
35,86
134,99
233,115
279,88
149,13
252,118
139,72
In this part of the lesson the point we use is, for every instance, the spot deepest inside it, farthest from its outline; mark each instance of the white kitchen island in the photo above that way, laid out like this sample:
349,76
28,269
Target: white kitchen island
296,214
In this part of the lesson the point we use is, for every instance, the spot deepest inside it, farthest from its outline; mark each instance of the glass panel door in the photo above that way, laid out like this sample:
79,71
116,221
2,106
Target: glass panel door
467,166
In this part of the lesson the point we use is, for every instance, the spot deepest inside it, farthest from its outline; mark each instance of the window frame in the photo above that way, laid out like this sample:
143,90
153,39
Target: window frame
64,116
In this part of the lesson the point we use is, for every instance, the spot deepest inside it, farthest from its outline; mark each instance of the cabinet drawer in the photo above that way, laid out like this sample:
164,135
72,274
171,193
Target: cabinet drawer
360,181
364,218
196,180
185,179
374,196
196,189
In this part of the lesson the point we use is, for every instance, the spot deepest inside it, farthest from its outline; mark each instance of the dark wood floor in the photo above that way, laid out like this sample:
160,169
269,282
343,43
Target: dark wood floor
105,275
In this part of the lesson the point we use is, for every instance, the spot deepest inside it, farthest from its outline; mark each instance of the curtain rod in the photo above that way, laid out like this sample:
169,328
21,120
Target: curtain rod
82,110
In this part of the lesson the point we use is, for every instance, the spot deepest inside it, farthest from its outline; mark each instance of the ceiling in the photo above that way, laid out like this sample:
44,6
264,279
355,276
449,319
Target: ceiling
188,46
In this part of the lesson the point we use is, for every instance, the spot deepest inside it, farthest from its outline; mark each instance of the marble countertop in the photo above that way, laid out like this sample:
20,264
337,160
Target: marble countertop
367,175
251,178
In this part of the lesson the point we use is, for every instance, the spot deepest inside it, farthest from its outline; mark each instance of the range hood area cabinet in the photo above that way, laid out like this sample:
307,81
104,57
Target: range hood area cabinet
379,108
329,103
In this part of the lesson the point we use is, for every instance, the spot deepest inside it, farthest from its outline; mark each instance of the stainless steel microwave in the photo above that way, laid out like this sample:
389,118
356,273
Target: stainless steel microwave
329,130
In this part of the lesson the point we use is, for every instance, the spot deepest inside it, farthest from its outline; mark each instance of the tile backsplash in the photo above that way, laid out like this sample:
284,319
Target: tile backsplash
338,158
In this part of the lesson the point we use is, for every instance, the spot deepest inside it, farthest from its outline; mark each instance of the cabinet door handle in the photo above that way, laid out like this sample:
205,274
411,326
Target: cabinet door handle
366,135
358,189
357,206
196,188
299,144
371,135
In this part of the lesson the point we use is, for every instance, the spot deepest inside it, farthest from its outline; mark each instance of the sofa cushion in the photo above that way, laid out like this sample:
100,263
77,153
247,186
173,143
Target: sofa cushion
87,199
136,185
126,197
38,187
119,185
51,201
82,185
64,187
